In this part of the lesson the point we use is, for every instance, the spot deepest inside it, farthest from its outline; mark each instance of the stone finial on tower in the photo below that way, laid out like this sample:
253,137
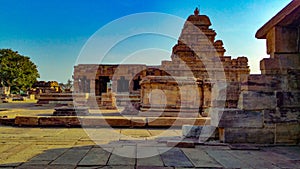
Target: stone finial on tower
196,12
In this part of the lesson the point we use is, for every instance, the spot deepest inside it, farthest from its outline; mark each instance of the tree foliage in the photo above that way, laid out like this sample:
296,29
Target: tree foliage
16,71
67,86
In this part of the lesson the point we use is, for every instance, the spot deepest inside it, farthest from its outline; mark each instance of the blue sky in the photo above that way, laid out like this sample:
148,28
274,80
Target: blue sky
53,32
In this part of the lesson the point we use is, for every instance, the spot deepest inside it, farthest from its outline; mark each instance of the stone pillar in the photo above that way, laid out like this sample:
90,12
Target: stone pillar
92,86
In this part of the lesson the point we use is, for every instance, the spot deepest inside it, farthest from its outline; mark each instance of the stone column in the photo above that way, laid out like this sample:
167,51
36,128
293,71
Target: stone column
92,86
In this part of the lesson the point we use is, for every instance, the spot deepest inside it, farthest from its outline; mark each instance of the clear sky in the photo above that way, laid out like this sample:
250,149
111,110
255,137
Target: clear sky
53,32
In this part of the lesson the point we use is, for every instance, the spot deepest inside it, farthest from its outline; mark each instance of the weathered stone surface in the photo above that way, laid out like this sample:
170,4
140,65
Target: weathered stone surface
287,133
95,157
49,155
27,120
198,131
106,121
237,118
148,156
201,159
7,121
288,99
227,160
138,121
250,100
284,115
71,111
249,135
260,83
123,156
56,98
69,156
252,160
59,121
176,121
175,157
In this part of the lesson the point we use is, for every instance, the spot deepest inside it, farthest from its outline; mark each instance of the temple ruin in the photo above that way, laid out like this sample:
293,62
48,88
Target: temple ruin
201,80
197,61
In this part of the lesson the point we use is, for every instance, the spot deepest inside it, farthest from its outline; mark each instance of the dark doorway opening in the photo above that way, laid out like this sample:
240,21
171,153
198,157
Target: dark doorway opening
136,84
101,85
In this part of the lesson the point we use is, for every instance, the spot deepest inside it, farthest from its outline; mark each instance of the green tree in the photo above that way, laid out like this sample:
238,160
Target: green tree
66,87
16,71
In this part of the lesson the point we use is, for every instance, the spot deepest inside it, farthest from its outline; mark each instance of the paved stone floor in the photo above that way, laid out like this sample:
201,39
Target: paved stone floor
39,148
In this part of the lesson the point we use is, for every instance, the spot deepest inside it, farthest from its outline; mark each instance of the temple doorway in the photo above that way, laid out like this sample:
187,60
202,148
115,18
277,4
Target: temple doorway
101,85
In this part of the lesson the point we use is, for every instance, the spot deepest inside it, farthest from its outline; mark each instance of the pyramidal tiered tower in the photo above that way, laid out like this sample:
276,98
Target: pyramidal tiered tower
197,60
200,53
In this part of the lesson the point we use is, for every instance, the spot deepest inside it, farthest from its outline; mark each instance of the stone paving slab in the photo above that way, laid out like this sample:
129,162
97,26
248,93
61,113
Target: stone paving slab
175,157
39,148
227,160
251,160
201,158
72,156
95,157
148,156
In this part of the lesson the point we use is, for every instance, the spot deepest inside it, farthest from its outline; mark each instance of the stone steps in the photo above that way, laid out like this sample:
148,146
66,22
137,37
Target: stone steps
105,121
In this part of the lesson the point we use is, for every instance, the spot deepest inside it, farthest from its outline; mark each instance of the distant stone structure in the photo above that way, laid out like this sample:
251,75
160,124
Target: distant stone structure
46,87
197,56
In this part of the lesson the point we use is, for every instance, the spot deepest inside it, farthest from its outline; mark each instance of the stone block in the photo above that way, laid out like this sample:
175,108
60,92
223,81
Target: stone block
250,100
7,121
105,121
249,135
59,121
288,99
176,121
197,131
283,115
237,118
287,133
138,121
27,120
260,83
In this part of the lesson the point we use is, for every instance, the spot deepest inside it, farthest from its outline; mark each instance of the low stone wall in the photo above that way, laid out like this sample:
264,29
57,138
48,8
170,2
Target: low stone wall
262,118
103,121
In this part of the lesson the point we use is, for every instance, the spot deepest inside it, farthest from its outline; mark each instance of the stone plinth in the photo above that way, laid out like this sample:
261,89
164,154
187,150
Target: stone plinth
71,111
165,92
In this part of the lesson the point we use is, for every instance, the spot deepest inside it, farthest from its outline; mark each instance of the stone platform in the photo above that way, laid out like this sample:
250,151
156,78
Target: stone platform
104,121
72,148
71,111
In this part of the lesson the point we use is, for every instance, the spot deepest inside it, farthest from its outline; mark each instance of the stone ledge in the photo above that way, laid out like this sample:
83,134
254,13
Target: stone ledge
27,121
181,144
59,121
176,122
247,135
107,121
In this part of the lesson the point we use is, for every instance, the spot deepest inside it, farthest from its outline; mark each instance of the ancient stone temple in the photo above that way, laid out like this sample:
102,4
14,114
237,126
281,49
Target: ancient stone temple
187,83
